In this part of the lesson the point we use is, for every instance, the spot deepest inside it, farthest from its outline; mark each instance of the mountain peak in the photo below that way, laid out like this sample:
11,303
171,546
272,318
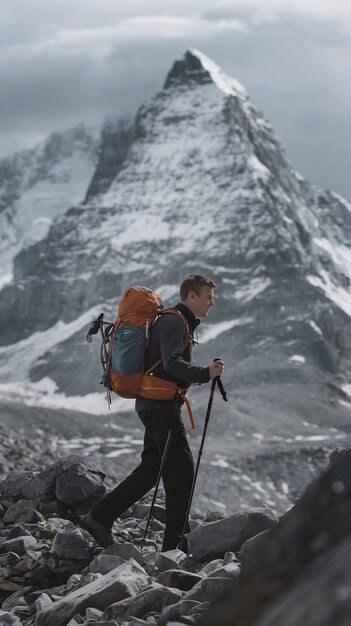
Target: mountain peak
196,67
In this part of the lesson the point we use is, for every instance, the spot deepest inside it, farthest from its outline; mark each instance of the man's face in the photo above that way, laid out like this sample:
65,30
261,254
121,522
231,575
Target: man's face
200,305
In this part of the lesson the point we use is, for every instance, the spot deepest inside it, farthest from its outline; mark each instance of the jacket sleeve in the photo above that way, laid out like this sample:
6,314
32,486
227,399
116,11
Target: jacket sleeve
172,334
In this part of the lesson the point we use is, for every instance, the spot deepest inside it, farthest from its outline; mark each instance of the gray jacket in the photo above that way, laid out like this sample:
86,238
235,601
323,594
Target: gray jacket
167,342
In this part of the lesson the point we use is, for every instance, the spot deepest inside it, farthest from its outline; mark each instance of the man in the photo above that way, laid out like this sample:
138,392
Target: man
167,341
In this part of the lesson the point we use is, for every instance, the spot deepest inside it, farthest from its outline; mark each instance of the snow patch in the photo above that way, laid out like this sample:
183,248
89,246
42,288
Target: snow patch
315,327
340,254
5,279
297,358
210,331
252,289
21,356
31,395
258,168
341,297
347,389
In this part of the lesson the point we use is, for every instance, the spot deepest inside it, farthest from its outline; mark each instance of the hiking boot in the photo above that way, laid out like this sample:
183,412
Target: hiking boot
102,534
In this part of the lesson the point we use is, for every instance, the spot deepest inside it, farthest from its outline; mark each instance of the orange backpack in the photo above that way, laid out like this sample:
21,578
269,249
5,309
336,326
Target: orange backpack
124,344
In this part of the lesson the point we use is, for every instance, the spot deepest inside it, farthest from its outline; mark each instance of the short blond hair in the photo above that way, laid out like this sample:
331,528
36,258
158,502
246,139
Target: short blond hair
194,282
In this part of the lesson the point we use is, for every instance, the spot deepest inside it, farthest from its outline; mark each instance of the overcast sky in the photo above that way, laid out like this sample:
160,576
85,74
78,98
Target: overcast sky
67,61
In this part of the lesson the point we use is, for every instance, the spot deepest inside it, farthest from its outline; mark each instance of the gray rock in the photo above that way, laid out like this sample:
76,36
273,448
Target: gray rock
126,580
229,534
7,619
169,559
217,582
50,527
231,570
13,483
140,511
125,551
213,516
322,595
78,483
229,557
8,559
42,601
15,597
21,511
213,587
249,550
19,545
154,599
306,532
18,531
43,484
178,578
104,563
93,614
70,544
176,611
210,567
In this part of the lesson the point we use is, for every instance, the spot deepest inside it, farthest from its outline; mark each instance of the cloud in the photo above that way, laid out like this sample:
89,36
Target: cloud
67,61
91,40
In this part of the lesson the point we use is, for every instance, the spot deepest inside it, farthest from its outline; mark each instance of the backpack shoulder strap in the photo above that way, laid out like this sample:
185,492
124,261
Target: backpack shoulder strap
186,338
187,327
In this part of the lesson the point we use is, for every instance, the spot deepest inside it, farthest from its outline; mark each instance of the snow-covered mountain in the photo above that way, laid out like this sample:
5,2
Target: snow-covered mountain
39,185
198,183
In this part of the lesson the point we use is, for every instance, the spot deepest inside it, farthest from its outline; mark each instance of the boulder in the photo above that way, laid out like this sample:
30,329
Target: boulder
19,545
125,551
70,544
104,563
322,596
229,534
77,484
319,522
83,473
169,559
123,581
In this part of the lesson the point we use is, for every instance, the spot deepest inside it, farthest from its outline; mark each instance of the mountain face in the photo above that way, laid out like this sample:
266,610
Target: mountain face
198,183
39,185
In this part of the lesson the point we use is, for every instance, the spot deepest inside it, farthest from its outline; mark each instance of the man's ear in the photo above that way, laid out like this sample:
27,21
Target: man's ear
192,295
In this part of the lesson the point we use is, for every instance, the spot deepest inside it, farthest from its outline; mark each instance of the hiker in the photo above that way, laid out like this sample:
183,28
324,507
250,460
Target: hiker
166,344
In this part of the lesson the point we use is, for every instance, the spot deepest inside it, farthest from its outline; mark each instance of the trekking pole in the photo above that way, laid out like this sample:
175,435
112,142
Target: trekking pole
162,464
215,381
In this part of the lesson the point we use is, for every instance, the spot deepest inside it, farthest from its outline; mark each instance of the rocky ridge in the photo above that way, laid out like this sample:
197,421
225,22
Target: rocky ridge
52,571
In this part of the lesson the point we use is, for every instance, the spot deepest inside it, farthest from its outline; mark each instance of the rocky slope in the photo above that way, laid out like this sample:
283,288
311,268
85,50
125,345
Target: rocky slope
249,568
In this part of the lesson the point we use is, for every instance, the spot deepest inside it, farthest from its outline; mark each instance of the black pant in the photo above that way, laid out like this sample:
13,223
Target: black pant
177,475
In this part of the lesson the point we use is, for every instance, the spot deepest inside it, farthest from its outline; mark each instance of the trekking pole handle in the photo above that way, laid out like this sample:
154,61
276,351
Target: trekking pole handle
220,384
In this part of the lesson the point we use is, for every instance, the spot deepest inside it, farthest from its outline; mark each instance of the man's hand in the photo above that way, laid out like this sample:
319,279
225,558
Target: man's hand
216,369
